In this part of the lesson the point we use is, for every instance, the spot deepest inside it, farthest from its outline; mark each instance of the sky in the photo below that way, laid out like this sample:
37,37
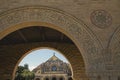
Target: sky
35,58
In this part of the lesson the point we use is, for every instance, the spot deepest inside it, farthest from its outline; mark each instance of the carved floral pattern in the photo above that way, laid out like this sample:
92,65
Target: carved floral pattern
101,18
66,22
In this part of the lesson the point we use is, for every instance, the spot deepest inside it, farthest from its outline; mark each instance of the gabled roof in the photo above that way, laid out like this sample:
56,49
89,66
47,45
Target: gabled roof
54,58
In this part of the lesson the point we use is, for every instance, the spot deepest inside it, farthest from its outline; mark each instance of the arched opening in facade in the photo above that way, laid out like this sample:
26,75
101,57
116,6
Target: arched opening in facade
37,79
54,78
42,37
61,78
46,63
70,78
46,78
82,37
48,37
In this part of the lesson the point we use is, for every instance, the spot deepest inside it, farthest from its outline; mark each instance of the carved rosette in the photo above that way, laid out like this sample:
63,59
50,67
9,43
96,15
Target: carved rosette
82,35
101,18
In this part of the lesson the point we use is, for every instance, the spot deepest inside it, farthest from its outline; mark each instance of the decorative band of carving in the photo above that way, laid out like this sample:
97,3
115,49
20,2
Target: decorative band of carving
75,28
114,48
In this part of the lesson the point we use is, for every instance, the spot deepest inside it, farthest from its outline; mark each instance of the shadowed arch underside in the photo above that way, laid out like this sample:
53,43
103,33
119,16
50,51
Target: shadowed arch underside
75,30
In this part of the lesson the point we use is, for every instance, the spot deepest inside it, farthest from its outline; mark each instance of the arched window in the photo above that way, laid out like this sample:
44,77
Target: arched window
37,79
54,78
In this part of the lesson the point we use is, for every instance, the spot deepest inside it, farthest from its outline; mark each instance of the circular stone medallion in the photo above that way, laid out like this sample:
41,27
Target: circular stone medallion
101,18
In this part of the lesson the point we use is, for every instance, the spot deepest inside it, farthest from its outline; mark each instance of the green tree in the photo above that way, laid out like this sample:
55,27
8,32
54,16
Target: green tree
19,72
27,75
23,73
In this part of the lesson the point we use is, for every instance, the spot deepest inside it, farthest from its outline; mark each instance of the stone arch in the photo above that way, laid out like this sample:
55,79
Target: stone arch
77,31
62,48
114,48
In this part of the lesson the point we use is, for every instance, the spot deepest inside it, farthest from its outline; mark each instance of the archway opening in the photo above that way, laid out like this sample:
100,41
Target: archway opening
37,79
27,39
47,62
46,78
70,78
61,78
54,78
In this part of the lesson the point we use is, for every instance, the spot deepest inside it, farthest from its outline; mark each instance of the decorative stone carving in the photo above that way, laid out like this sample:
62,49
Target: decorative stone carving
114,47
82,35
101,18
93,54
74,29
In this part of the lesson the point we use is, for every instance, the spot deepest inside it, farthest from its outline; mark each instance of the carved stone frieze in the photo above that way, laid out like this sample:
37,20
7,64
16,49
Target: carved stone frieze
82,35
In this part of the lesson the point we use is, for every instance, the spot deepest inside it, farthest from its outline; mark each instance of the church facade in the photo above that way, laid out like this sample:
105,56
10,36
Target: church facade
53,69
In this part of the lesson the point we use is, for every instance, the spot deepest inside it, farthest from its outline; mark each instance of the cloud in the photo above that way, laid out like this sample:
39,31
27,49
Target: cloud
31,67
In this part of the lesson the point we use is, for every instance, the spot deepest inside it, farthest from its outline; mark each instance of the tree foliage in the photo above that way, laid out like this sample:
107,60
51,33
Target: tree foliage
23,73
